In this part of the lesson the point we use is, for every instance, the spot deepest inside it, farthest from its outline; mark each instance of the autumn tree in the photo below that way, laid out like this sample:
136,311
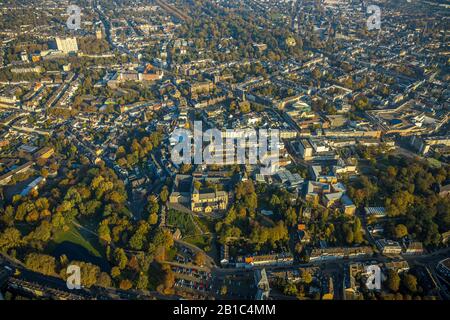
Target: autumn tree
41,263
410,282
400,231
200,258
306,277
104,232
120,258
125,284
168,279
393,280
90,273
10,238
104,280
223,290
164,195
142,282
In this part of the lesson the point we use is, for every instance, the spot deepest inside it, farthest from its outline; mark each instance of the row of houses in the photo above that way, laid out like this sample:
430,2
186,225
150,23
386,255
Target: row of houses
390,247
324,254
278,259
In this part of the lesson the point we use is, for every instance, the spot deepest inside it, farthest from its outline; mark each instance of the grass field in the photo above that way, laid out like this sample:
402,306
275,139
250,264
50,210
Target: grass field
200,241
183,221
73,235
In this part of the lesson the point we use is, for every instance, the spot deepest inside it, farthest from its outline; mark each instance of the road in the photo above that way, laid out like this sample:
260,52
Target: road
39,285
55,288
335,268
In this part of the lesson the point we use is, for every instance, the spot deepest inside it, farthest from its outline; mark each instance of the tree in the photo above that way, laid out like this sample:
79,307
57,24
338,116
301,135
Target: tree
290,289
316,73
139,238
400,231
104,280
40,236
361,102
7,217
120,258
231,216
197,185
349,237
164,194
357,231
153,205
152,219
298,248
125,284
200,258
291,217
223,290
89,273
399,203
142,282
104,232
358,237
391,171
58,221
117,197
244,106
393,280
410,282
185,168
275,201
115,272
9,239
169,279
41,263
306,277
251,201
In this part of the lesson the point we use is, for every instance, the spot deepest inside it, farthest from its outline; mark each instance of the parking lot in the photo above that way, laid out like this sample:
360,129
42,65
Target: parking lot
192,279
237,286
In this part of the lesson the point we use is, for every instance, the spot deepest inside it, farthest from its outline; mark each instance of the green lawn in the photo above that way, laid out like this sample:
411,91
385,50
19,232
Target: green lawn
200,241
171,253
73,235
207,225
183,221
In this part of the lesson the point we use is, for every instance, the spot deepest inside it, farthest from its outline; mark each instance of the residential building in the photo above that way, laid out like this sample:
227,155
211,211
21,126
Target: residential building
323,174
324,254
306,149
348,206
389,247
398,265
279,259
201,87
67,45
44,153
5,178
33,185
414,247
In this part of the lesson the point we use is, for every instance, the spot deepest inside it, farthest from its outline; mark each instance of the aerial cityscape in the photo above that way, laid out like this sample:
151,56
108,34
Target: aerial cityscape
224,150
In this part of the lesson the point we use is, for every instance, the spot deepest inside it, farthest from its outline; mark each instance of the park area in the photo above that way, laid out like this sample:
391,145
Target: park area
78,243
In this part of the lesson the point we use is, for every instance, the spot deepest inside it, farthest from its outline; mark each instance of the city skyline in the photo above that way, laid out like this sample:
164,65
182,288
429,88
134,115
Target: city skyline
224,150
